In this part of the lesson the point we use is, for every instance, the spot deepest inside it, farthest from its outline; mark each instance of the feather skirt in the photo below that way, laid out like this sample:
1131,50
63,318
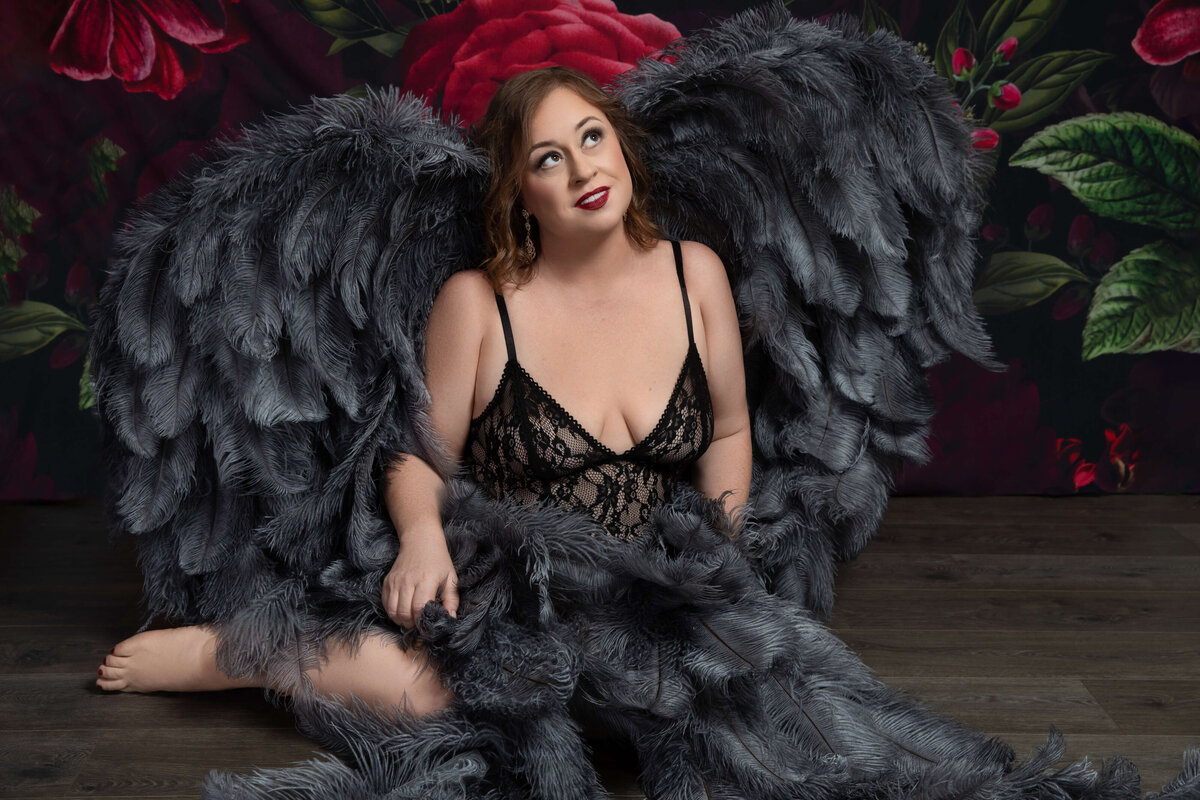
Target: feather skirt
670,642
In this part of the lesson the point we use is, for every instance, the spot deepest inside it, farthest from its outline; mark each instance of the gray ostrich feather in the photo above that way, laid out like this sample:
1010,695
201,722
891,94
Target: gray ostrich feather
258,362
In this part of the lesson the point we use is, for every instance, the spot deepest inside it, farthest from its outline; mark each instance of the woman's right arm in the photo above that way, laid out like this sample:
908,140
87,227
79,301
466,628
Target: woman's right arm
413,491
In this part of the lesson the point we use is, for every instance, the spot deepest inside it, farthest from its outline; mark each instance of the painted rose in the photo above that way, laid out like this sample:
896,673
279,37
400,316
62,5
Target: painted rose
1170,33
986,436
18,463
456,60
148,44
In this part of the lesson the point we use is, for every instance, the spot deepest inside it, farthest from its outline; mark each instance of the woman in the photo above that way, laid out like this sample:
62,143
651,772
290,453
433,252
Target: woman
582,287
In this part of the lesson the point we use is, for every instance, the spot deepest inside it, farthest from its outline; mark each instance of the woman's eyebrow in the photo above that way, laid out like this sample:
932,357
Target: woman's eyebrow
578,125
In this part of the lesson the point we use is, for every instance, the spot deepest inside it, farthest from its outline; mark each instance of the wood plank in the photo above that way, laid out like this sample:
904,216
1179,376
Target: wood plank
1015,704
75,604
1012,538
1031,610
1158,758
1191,532
174,761
1141,706
55,702
1020,572
1026,654
990,511
42,764
33,650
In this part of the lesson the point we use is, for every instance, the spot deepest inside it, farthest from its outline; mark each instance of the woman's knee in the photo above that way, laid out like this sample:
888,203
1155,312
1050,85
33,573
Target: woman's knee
377,671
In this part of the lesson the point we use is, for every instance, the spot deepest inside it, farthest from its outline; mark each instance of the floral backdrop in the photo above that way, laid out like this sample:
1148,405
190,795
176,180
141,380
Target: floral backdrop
1090,279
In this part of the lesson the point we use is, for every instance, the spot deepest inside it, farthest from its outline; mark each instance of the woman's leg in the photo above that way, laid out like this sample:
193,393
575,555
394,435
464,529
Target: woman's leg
184,660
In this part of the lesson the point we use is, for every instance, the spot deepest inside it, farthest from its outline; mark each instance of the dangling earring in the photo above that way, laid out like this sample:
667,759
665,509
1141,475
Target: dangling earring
527,249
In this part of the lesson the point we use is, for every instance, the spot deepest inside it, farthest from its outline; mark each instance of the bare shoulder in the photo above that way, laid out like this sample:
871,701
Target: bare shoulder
463,300
705,274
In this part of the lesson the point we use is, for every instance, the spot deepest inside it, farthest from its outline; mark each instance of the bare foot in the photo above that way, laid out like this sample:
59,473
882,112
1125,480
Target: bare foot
169,660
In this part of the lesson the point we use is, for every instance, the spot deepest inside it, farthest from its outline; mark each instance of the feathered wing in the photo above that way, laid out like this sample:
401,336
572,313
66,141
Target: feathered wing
257,353
832,173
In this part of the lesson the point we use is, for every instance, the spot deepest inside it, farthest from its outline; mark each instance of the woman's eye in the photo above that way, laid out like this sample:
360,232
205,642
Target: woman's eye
550,159
593,136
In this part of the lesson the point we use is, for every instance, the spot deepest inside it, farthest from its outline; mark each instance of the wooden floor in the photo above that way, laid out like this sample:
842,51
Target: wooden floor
1007,614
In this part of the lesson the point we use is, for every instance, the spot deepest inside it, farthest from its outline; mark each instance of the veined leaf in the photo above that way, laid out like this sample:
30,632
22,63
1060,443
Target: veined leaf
86,398
16,216
1028,20
1149,300
102,158
11,254
345,19
1128,166
30,326
1045,83
959,31
874,18
388,43
1014,280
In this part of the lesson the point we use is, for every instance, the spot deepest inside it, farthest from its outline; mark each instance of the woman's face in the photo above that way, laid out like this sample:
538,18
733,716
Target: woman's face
575,180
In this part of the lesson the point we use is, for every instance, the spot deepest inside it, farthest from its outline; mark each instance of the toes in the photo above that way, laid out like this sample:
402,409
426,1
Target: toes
111,679
124,648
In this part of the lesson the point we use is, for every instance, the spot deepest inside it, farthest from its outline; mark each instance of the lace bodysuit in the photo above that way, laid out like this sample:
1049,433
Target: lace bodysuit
526,446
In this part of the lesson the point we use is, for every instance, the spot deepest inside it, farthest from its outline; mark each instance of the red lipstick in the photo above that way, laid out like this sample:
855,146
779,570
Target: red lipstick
593,200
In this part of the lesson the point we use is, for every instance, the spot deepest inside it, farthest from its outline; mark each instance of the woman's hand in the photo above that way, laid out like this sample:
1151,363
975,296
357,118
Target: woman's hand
421,572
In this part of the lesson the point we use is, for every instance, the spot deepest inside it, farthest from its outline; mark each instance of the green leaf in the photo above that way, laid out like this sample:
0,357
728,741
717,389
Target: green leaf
102,159
1045,83
1015,280
1128,166
11,254
16,215
345,19
388,43
1028,20
87,398
30,326
874,18
339,45
1149,300
959,31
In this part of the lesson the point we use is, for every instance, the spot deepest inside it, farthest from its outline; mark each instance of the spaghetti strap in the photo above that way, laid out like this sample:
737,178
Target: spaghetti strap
508,337
687,307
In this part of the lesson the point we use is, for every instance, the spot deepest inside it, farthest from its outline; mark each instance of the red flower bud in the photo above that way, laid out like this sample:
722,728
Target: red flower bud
995,233
1081,235
1007,49
962,62
1005,96
80,287
984,139
1039,222
1071,301
1104,251
1085,473
18,287
66,352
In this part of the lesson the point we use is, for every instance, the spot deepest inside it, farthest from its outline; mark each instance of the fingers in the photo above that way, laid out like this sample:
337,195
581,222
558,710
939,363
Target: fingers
450,595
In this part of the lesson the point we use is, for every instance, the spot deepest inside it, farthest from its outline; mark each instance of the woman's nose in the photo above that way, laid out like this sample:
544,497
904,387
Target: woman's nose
582,170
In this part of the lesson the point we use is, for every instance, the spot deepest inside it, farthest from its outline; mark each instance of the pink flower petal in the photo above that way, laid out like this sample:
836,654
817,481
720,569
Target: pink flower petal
170,75
81,45
132,54
186,21
1170,32
235,34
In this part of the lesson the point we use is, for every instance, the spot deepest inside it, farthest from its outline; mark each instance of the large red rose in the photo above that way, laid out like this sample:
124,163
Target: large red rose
456,60
136,40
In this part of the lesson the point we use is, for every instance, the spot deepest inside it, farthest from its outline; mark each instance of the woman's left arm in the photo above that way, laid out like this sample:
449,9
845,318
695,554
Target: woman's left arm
724,469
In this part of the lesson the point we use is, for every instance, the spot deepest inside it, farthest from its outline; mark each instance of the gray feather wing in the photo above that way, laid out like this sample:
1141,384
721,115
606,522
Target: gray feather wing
833,175
258,346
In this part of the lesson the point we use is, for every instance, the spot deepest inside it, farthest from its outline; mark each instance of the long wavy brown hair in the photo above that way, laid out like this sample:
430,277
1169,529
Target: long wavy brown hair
502,131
